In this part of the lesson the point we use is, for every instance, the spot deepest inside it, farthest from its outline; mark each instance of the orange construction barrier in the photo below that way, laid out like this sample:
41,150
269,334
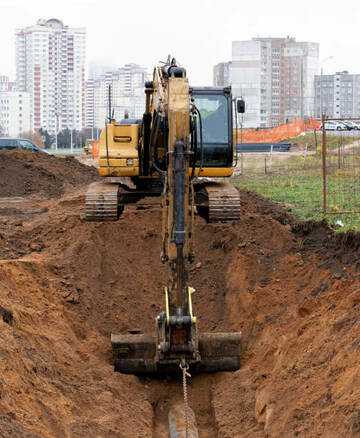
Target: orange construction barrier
95,149
269,135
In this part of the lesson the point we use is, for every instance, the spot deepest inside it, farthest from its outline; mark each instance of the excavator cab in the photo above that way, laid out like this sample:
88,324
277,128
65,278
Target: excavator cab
215,108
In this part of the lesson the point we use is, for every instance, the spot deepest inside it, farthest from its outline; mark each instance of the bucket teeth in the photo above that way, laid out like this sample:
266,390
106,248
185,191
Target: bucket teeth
136,354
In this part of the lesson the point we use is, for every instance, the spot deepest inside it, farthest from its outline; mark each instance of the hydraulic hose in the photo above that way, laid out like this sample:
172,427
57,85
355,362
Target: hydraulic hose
153,143
194,146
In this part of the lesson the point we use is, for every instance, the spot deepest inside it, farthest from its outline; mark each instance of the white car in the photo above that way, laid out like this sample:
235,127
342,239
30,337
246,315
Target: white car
333,125
355,124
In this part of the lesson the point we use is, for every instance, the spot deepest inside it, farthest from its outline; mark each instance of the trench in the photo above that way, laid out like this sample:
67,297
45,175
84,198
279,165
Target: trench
70,284
116,267
168,393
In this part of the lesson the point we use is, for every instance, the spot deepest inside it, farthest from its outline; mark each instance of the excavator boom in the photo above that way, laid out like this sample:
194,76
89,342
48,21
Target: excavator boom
171,117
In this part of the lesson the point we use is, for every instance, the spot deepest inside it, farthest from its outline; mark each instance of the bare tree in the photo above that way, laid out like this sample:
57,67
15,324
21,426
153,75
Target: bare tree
34,137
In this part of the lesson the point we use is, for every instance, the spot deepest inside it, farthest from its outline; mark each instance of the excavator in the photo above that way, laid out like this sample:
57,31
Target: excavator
183,142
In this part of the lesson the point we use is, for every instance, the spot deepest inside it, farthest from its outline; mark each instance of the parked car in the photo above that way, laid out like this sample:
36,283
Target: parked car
19,143
333,125
348,125
355,124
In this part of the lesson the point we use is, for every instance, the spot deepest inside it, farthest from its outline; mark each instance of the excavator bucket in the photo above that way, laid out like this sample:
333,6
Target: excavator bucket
137,354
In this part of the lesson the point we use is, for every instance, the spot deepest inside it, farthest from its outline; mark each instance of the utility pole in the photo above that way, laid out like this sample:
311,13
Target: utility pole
302,88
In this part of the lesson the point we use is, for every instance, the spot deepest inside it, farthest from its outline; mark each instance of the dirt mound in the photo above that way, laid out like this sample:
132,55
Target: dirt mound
24,172
316,236
76,282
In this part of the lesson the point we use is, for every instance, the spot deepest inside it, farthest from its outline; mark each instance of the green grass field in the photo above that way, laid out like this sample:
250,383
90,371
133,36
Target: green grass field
297,183
313,141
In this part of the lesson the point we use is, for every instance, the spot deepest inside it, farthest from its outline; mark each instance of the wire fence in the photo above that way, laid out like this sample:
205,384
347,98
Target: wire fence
342,185
311,181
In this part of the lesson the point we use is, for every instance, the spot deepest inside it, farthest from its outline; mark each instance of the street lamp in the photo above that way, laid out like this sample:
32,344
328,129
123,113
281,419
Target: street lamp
321,82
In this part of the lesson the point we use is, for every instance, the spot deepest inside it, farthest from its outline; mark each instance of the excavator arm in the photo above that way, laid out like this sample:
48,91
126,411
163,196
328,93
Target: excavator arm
170,117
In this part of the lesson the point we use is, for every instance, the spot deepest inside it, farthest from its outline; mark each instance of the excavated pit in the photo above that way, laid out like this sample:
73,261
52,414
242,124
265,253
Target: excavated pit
292,289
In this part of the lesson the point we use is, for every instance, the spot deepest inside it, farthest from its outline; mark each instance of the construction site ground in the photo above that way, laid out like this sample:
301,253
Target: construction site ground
291,287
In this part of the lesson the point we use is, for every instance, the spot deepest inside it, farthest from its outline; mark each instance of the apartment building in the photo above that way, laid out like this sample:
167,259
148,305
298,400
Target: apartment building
221,74
127,95
6,84
14,113
275,76
337,95
50,65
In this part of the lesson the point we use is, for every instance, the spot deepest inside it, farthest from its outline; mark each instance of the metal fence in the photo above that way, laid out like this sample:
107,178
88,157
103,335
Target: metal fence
319,178
341,181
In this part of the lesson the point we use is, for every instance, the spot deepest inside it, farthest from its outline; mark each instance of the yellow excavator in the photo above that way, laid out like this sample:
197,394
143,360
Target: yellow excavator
184,137
88,147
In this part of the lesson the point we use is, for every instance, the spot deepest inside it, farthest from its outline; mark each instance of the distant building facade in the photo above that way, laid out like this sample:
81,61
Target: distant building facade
6,84
14,113
50,65
337,95
275,76
221,74
127,95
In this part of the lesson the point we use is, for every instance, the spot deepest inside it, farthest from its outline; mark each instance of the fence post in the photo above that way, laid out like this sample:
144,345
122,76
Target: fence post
265,166
324,164
271,151
305,151
242,162
315,141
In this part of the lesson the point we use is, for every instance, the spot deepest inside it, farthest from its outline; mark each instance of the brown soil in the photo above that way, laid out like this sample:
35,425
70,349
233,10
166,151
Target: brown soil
292,288
24,172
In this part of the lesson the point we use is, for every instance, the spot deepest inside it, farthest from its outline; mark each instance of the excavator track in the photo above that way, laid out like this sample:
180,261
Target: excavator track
102,202
218,202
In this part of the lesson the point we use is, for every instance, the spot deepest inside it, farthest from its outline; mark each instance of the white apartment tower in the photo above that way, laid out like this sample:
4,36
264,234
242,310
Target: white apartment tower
14,113
50,65
275,76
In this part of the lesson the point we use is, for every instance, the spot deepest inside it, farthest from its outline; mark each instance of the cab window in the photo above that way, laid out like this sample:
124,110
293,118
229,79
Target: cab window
217,150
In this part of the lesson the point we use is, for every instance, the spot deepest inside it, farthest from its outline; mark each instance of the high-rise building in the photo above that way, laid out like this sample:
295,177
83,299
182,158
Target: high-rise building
127,95
50,65
275,76
95,69
221,74
6,84
14,113
337,95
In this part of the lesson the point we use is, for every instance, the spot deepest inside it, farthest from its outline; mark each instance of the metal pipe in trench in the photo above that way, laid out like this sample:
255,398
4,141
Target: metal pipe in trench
177,422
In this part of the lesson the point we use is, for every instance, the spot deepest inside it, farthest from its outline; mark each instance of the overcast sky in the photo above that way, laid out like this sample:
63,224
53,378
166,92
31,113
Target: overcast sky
197,32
